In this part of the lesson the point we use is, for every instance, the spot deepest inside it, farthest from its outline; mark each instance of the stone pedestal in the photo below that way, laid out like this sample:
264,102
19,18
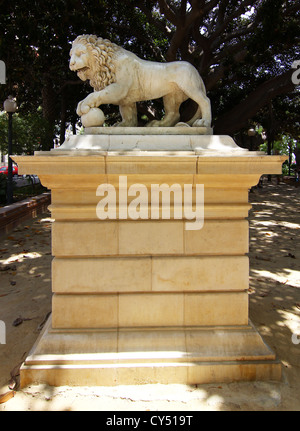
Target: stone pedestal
147,300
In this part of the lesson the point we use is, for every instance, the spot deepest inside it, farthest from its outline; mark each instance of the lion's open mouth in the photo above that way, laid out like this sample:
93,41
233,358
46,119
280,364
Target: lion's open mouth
82,69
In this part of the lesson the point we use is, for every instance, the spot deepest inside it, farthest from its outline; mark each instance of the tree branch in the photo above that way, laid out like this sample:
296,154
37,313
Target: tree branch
140,37
221,12
225,22
183,11
167,12
238,116
239,32
182,31
158,24
237,48
209,6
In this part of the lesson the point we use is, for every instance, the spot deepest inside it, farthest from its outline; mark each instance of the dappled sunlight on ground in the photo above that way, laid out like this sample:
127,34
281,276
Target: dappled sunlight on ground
25,289
20,257
275,272
274,293
158,397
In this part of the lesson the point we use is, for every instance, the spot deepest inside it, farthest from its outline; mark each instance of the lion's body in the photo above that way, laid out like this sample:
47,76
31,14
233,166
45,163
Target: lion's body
133,80
158,79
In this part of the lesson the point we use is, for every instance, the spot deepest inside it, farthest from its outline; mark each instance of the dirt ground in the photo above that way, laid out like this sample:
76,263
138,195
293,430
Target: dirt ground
274,293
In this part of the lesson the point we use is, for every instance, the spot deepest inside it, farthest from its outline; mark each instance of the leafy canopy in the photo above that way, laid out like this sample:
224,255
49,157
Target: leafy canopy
243,50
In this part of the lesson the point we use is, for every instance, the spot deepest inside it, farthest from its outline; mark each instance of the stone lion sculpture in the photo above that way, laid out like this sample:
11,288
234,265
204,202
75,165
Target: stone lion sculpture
121,78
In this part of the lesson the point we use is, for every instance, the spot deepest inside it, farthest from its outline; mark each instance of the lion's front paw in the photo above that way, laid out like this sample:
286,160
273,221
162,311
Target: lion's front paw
85,108
91,101
82,108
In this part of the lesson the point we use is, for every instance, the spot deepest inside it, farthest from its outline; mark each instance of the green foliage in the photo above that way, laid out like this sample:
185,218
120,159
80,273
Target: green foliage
237,46
28,132
280,146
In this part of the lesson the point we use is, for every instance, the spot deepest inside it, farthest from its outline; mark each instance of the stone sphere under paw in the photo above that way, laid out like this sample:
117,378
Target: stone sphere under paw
94,118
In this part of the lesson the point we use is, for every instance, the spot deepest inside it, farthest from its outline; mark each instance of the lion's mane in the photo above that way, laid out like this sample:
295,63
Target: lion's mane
103,52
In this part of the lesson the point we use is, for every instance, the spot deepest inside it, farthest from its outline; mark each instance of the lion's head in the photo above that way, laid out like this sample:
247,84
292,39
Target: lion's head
93,58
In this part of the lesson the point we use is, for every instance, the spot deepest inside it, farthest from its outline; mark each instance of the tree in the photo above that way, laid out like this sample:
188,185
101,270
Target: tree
28,132
243,50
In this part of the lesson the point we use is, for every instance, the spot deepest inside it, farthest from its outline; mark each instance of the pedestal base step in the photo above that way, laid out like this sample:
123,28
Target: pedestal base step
194,355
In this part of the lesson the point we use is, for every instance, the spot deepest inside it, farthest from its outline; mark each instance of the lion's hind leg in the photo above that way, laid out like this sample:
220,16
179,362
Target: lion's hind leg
202,118
172,102
205,110
193,86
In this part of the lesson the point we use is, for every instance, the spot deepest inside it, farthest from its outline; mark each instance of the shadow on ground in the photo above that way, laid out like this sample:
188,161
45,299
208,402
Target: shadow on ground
274,292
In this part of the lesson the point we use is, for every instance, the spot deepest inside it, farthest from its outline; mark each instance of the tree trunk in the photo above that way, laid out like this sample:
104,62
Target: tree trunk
238,117
63,114
49,113
74,127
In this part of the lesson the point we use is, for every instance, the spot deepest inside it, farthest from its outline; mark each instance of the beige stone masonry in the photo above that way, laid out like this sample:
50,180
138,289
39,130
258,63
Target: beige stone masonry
213,273
163,237
149,301
98,275
146,274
